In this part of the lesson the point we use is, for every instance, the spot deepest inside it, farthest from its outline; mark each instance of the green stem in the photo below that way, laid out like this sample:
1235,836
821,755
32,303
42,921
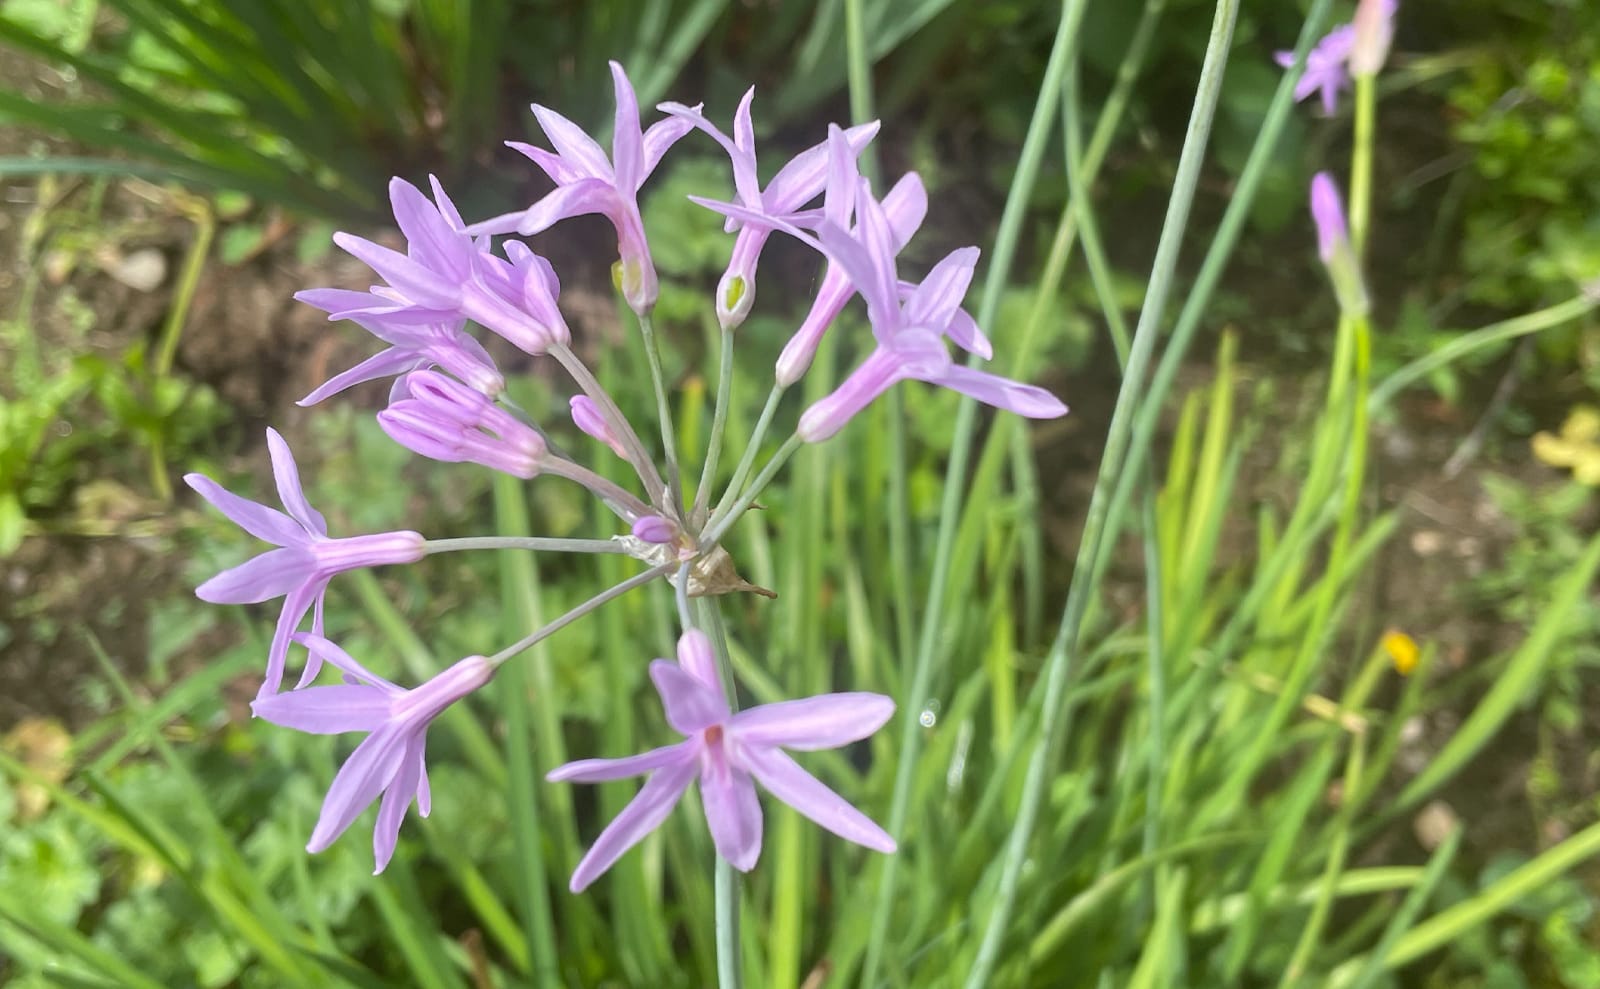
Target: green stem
576,613
719,421
632,446
538,544
1361,163
1488,336
920,676
669,442
719,524
1059,664
747,460
730,968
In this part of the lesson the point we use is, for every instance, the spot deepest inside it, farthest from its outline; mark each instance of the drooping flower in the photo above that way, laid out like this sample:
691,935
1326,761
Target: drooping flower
1325,68
589,182
390,760
729,753
442,419
306,560
446,276
411,347
1333,245
1374,30
795,185
910,322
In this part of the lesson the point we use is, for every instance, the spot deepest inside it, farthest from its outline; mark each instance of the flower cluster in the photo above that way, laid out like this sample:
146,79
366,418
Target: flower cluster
448,404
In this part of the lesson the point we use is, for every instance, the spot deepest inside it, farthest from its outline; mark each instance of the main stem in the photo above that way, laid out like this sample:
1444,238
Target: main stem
730,966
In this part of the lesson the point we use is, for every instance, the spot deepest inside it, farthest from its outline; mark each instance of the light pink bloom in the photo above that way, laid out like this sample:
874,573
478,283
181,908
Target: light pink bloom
390,760
442,419
1374,31
446,276
729,753
306,560
795,185
589,182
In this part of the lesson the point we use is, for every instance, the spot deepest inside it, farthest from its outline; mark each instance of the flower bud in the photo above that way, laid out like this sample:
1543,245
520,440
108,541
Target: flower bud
1333,245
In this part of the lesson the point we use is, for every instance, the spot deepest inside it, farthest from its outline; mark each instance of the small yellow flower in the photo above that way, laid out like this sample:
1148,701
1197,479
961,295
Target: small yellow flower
1577,446
1402,650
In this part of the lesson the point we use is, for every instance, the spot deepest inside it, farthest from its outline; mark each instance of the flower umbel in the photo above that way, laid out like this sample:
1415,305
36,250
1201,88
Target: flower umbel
306,560
729,753
390,761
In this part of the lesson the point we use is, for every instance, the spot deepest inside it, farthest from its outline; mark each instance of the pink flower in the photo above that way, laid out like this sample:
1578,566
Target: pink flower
728,753
589,182
446,276
306,560
390,760
796,184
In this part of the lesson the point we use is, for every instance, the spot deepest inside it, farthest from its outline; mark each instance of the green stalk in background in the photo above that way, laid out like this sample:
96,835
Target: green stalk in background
1058,666
921,673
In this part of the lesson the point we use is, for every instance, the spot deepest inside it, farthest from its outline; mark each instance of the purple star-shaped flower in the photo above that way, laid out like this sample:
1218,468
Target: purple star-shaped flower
589,182
728,753
446,276
1326,70
797,183
390,760
306,560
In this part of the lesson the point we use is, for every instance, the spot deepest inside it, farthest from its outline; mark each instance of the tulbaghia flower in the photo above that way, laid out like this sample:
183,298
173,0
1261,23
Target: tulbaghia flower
795,185
390,760
445,420
1374,30
445,276
728,753
306,560
1325,68
588,182
447,345
1333,245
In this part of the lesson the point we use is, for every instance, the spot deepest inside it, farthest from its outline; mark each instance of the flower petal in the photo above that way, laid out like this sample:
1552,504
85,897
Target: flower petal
784,779
661,136
601,770
295,606
328,651
937,298
370,768
287,476
329,710
413,280
824,722
642,815
572,144
261,578
691,704
627,155
1002,393
430,240
267,524
733,813
383,364
398,796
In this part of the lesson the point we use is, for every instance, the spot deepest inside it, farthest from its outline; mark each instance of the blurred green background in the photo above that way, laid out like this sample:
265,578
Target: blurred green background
172,171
